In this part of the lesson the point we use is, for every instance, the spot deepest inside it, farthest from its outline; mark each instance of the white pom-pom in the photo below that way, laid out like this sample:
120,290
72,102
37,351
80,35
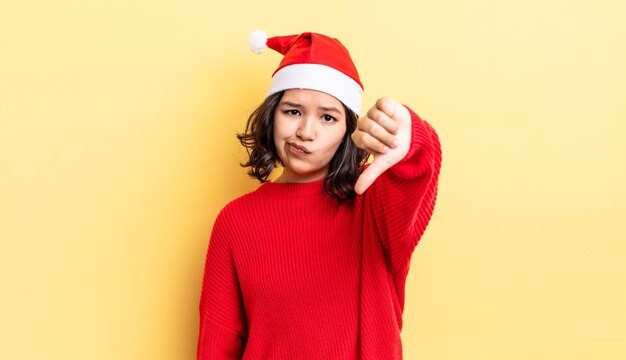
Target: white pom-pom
258,41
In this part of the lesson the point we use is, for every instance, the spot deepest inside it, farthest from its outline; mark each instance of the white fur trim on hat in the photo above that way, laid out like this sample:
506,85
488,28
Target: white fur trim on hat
321,78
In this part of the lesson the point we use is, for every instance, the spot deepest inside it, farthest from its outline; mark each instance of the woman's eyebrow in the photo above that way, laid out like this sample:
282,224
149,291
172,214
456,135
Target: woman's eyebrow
290,104
330,109
325,108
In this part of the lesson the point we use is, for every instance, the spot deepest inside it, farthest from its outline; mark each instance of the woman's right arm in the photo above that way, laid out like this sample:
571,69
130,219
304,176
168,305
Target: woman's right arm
222,317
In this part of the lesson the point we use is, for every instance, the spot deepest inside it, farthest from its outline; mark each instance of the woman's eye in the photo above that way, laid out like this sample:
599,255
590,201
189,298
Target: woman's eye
293,112
328,118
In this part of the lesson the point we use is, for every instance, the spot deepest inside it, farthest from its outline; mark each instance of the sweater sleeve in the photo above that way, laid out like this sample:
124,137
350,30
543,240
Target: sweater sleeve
223,326
402,199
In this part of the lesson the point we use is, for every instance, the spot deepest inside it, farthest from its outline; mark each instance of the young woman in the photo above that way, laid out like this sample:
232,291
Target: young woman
313,265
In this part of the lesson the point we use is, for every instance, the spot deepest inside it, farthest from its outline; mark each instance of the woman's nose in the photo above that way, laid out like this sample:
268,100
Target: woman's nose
306,129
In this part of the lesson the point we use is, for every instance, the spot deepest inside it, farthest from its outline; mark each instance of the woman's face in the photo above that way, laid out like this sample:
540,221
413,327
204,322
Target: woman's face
309,126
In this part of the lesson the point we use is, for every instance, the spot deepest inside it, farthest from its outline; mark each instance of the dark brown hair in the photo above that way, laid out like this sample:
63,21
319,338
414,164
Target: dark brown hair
258,139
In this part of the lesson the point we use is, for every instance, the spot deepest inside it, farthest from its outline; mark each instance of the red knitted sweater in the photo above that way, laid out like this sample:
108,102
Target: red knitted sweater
292,274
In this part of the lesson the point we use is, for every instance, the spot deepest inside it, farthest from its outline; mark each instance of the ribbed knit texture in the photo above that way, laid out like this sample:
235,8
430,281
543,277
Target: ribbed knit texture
292,274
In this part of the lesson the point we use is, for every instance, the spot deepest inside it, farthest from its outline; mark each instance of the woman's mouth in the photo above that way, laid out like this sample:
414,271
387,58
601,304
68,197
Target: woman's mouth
297,149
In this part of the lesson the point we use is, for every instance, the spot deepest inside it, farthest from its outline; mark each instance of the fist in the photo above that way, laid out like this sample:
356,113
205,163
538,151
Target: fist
385,131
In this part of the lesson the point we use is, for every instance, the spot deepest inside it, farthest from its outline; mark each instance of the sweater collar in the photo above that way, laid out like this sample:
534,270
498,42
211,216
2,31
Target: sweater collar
293,189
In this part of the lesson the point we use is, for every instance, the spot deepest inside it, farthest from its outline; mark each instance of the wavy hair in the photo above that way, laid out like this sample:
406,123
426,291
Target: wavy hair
258,139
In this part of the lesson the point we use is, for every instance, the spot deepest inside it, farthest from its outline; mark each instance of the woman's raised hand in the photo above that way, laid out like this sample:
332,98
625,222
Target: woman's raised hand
385,131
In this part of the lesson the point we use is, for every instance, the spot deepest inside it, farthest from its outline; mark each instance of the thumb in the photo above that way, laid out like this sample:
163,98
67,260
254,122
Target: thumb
367,177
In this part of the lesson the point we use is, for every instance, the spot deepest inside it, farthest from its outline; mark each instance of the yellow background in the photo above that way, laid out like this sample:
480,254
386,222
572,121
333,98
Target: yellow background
118,149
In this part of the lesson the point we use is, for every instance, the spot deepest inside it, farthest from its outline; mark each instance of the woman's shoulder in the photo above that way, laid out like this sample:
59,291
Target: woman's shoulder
240,204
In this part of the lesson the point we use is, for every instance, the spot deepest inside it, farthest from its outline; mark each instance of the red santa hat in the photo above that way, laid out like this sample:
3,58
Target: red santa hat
312,61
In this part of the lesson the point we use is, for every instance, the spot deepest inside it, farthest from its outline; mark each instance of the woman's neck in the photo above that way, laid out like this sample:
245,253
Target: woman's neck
289,177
